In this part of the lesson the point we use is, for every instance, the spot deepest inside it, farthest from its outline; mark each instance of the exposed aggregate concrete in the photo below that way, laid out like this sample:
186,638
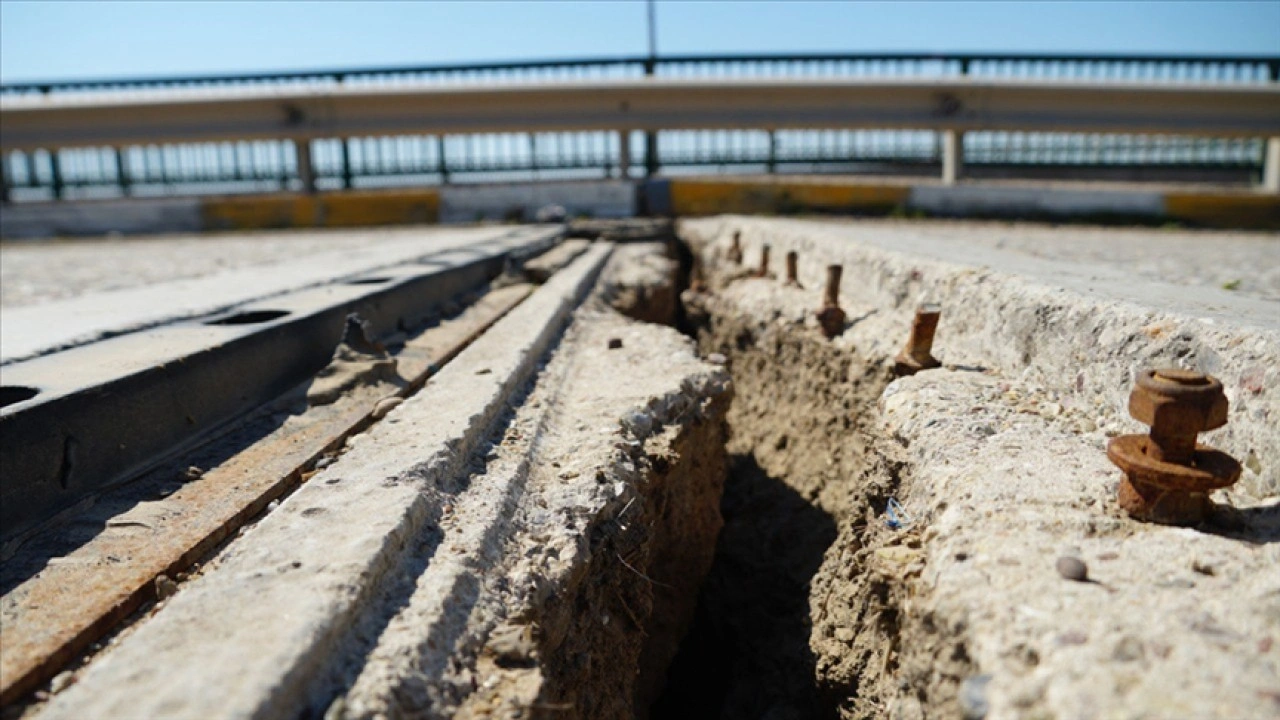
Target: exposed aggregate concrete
956,608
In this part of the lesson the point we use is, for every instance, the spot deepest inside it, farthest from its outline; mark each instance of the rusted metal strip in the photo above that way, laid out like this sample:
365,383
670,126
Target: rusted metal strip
75,599
107,412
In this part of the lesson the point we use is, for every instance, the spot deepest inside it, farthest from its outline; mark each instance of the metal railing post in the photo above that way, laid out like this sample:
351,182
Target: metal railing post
624,154
55,172
1271,166
4,177
441,166
122,173
306,172
346,159
952,156
773,152
650,137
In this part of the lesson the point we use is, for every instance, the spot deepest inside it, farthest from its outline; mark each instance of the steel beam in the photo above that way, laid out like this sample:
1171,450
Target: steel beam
960,104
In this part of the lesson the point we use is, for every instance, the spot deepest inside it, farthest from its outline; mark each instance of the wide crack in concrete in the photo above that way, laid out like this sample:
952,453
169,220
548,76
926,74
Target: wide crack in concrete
801,427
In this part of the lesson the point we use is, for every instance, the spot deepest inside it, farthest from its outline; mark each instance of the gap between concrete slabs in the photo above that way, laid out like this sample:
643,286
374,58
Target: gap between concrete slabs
251,637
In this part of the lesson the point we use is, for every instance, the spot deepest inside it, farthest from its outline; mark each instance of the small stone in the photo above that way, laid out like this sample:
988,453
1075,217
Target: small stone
62,681
1071,568
717,359
1203,567
192,473
386,405
271,506
165,588
615,343
973,697
1129,649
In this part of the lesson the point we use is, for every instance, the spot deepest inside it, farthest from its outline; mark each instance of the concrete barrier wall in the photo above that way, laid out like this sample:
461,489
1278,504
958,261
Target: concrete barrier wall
782,196
149,215
618,198
598,199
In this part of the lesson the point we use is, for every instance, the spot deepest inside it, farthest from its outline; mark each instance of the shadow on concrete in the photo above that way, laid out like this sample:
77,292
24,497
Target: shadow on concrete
1257,525
747,655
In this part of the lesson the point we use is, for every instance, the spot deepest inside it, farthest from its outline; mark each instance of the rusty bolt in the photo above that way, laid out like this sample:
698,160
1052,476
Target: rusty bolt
735,252
916,355
792,281
763,270
830,316
1168,477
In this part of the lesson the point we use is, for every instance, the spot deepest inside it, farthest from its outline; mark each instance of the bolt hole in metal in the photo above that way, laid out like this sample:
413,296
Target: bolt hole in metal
251,317
369,281
14,394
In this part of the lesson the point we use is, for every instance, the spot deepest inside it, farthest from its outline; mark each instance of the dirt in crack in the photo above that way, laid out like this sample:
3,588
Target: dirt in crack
748,653
799,426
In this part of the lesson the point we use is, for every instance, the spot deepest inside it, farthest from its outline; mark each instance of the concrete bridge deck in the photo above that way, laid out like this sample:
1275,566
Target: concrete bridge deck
528,520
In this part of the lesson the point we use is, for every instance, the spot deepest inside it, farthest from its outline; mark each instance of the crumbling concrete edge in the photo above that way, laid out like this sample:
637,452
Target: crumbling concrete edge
312,566
1084,347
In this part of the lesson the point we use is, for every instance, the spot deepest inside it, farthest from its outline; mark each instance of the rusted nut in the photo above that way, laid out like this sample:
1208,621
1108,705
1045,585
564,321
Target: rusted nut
1168,476
830,316
917,354
792,260
735,252
763,270
1178,405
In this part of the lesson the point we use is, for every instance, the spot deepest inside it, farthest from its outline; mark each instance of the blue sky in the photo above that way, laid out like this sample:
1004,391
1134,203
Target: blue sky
66,40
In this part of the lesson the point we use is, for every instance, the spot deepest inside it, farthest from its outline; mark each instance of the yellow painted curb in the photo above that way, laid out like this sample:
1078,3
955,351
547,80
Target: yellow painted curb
1231,211
346,209
699,197
363,208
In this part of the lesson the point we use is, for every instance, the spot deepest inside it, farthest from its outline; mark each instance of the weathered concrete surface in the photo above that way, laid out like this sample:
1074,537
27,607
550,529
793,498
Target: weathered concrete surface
74,579
486,548
1079,329
642,284
31,330
541,268
1174,623
999,465
314,565
571,561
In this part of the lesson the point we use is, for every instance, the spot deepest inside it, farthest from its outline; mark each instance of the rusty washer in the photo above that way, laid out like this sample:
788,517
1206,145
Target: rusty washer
916,355
1168,476
830,316
735,252
792,259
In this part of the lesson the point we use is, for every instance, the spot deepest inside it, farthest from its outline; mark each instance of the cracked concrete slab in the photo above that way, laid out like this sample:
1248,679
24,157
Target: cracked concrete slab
949,603
1081,330
314,564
